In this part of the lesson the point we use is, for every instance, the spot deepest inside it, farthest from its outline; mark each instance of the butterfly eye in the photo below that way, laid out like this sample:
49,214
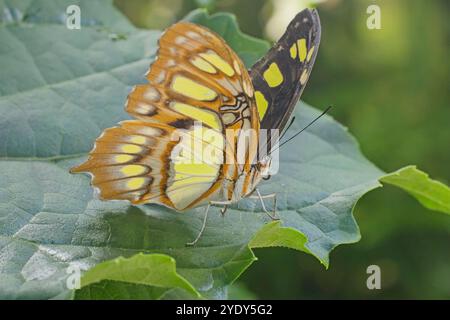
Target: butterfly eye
257,166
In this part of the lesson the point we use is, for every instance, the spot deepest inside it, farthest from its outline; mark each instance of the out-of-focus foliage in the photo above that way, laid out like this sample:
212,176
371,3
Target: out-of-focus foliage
390,87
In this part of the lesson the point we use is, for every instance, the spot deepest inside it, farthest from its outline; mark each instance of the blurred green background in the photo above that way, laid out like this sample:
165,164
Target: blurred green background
390,87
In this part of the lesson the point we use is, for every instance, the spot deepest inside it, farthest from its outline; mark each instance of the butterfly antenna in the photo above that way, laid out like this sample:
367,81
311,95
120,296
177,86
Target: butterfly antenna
284,132
289,125
306,127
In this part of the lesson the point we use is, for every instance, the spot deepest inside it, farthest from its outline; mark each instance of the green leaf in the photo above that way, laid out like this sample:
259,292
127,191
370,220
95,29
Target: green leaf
98,14
432,194
272,234
57,97
48,89
50,219
156,270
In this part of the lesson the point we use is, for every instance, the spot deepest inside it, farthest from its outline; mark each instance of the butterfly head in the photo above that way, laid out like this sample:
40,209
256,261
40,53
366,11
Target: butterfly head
260,171
263,167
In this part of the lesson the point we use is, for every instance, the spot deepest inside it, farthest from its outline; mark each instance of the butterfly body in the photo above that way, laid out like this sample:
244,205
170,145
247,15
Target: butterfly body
196,135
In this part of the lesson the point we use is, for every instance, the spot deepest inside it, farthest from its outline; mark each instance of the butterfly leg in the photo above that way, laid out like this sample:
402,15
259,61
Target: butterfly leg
222,203
190,244
222,211
271,215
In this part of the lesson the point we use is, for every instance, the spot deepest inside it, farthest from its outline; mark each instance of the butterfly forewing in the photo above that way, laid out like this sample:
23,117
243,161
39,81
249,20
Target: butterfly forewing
281,75
193,68
195,79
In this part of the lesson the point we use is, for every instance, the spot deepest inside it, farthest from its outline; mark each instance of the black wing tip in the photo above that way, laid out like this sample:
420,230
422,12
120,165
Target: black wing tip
315,16
310,11
307,18
312,20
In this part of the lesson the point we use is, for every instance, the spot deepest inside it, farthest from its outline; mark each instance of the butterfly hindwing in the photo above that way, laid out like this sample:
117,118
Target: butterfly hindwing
125,162
281,75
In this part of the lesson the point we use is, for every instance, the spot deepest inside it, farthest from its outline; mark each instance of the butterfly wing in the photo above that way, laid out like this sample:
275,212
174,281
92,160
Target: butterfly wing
194,67
281,75
195,79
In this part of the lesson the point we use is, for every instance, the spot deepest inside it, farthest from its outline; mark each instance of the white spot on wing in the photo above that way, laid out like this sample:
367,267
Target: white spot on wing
180,40
152,94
